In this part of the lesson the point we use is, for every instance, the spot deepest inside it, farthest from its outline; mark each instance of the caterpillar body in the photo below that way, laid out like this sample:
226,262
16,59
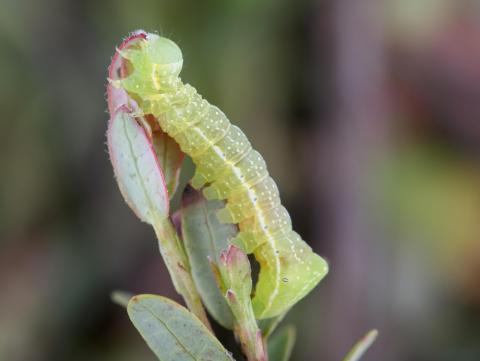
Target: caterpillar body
228,168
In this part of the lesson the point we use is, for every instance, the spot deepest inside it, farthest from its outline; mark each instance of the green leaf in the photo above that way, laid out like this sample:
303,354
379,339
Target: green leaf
281,344
136,167
172,332
204,238
361,346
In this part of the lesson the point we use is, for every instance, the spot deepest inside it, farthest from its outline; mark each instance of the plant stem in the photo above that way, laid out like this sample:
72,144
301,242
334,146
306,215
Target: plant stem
121,298
179,267
246,329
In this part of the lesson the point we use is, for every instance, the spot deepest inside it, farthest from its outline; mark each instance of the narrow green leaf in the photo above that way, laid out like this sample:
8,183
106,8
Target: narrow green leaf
204,238
136,167
361,346
170,158
172,332
281,344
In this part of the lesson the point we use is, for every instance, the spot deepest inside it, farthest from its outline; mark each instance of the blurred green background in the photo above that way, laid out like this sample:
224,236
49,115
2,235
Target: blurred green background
367,112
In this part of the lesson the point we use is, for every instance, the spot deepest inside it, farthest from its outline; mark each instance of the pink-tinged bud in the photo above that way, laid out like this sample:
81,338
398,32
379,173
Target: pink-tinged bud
239,271
235,271
236,259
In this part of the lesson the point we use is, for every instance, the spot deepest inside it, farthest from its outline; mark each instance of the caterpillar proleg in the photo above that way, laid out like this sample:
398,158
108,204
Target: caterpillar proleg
228,168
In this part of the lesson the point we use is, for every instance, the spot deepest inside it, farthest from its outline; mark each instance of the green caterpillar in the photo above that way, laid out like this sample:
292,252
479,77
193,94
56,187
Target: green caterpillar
228,168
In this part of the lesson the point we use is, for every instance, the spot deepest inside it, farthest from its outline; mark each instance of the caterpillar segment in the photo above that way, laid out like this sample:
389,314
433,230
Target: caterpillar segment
248,171
227,151
228,168
206,129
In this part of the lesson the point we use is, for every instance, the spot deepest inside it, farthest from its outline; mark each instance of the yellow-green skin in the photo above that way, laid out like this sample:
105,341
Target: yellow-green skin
231,170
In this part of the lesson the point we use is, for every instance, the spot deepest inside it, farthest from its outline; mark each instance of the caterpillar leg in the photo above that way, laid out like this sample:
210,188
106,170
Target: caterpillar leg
268,223
248,171
247,241
262,227
199,180
242,205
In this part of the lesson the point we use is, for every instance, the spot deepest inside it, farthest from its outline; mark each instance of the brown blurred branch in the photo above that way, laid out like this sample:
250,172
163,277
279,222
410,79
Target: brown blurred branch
360,122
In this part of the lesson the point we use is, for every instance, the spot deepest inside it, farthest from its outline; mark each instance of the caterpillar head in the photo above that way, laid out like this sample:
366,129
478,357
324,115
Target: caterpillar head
155,64
164,55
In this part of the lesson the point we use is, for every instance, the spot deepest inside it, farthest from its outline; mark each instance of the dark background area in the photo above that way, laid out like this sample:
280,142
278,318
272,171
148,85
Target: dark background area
367,113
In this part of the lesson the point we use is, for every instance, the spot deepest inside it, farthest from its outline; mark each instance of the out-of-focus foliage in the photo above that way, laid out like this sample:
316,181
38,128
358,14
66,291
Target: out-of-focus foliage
67,240
280,346
361,346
